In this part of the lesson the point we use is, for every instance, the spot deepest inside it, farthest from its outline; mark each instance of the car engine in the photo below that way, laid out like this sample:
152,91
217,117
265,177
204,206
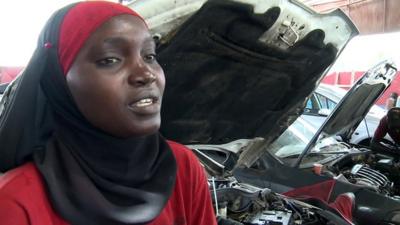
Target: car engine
251,205
363,174
377,171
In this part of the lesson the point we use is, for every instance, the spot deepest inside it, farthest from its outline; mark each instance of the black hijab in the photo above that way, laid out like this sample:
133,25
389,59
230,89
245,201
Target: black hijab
91,176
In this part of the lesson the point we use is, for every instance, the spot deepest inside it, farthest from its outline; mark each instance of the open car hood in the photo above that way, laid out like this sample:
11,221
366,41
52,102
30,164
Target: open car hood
240,69
355,105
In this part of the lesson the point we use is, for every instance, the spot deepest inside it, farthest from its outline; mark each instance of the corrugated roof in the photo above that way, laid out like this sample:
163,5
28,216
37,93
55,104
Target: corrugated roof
327,5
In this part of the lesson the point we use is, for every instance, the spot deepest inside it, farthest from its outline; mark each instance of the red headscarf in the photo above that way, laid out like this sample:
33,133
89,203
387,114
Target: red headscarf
80,22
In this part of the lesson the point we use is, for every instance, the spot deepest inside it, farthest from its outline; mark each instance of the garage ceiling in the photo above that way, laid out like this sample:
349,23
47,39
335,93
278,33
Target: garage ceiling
370,16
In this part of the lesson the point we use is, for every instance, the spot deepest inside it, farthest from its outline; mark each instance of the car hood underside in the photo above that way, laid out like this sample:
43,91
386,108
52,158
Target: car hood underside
234,73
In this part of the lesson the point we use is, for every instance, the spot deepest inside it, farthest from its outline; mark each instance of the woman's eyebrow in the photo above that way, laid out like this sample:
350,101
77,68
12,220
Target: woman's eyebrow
114,41
121,41
150,40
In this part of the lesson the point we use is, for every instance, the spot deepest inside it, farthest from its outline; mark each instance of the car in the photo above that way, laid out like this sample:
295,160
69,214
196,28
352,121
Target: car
290,163
324,100
242,69
239,70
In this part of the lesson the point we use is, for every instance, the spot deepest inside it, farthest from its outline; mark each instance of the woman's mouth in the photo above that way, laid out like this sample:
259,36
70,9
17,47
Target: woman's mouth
144,102
146,106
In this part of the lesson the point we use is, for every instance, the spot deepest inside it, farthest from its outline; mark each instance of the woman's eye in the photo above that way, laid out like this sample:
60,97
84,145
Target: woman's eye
150,57
107,61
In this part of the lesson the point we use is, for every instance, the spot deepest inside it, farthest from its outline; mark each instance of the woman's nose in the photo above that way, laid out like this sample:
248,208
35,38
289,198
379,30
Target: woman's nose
142,78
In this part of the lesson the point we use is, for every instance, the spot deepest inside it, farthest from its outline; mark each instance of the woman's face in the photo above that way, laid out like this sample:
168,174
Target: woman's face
116,81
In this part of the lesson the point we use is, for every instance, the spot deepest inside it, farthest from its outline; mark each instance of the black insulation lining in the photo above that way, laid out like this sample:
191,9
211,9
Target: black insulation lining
223,84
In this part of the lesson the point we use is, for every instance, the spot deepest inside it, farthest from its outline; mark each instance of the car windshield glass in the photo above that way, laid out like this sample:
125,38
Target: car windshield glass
293,141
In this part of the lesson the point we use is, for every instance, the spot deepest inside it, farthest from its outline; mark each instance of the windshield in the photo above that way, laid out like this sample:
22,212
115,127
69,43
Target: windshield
293,141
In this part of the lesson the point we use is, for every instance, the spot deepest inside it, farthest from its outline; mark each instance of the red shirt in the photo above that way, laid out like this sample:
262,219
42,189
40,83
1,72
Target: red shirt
383,129
24,201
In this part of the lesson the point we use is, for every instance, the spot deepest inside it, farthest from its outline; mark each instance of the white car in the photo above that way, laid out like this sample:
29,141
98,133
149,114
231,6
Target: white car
324,100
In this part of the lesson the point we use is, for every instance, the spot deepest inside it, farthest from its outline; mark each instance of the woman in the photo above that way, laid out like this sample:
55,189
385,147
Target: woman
83,143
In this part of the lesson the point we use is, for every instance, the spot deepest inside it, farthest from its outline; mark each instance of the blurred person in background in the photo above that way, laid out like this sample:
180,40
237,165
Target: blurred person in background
389,124
391,101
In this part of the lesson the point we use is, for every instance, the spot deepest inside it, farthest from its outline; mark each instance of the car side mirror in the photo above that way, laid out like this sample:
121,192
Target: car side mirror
324,112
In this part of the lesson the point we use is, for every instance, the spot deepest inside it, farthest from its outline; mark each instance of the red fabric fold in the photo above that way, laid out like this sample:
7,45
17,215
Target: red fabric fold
322,192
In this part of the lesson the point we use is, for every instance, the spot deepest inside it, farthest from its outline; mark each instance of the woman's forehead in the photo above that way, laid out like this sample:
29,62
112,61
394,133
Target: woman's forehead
120,29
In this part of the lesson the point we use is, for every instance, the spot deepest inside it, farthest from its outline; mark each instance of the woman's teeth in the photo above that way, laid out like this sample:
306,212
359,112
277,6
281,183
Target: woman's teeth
144,102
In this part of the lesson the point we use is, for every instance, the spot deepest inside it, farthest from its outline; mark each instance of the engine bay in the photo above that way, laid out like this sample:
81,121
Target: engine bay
376,171
249,205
